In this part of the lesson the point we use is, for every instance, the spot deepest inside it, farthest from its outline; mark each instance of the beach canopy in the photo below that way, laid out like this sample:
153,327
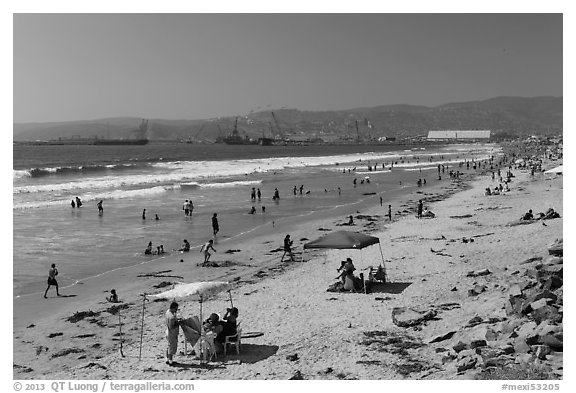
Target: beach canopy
202,289
558,169
343,240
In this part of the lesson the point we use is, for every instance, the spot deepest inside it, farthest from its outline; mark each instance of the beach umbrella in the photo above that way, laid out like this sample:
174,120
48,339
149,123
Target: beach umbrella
201,289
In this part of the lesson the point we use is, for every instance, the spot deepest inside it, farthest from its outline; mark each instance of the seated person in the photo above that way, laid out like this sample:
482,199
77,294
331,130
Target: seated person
488,191
528,215
347,267
428,213
113,298
213,324
185,246
229,325
148,250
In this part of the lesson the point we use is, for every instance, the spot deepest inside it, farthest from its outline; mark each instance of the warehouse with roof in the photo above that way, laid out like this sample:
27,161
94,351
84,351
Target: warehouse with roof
459,135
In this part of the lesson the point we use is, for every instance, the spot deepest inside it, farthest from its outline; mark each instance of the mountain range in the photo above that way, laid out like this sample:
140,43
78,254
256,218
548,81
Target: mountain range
514,116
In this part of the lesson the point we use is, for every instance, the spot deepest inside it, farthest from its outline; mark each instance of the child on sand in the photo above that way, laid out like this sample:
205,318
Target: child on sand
113,298
206,249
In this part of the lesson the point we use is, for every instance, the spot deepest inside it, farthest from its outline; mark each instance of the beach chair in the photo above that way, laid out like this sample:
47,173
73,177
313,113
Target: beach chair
233,340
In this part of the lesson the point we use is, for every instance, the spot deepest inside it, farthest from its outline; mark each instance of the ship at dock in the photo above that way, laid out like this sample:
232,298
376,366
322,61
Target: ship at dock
235,139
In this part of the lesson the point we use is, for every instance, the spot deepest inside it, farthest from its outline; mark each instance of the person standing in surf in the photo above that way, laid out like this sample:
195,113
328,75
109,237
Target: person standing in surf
215,225
52,273
100,208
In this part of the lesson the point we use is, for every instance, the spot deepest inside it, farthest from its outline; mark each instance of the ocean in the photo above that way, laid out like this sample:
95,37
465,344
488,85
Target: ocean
159,177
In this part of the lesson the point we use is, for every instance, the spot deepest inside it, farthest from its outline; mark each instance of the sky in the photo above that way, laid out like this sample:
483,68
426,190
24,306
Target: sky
194,66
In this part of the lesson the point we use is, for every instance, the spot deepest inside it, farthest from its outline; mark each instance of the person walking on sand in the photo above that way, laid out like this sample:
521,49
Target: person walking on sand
287,249
206,249
52,273
100,208
380,201
215,225
172,323
259,194
185,207
390,212
420,207
144,214
73,204
253,194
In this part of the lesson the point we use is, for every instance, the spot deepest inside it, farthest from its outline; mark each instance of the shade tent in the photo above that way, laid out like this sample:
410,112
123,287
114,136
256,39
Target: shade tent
344,240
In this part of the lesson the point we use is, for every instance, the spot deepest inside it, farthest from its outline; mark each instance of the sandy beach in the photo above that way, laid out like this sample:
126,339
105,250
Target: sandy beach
308,332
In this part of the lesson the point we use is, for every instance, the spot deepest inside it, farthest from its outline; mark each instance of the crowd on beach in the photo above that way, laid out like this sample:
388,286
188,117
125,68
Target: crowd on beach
217,328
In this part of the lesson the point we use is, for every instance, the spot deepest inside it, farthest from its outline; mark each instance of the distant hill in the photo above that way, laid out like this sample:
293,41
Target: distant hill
511,115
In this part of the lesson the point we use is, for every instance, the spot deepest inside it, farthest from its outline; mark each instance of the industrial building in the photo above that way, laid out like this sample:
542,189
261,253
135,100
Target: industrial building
459,135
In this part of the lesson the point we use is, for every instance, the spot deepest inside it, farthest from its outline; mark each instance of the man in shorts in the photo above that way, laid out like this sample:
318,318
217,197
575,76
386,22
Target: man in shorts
52,273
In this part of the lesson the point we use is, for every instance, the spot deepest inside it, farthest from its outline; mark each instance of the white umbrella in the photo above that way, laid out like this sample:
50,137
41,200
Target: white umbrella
557,170
201,289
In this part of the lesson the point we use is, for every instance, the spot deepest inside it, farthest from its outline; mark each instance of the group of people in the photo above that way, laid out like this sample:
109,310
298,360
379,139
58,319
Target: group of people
76,202
550,214
255,193
188,207
150,251
349,281
218,328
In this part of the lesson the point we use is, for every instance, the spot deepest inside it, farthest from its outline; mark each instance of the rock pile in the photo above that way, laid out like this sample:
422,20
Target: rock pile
530,335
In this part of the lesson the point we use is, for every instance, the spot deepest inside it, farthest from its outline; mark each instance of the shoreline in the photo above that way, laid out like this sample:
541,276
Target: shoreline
277,279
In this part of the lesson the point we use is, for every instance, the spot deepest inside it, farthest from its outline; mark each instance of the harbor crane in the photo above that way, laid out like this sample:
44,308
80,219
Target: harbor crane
277,126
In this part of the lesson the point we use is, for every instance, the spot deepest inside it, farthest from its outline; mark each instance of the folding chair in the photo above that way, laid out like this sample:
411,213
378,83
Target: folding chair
233,340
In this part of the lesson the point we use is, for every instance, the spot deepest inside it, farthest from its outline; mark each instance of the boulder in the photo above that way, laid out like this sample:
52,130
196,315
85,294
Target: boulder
552,260
530,260
506,348
491,334
552,341
557,248
478,343
552,283
499,361
548,313
466,364
443,337
540,303
475,321
406,317
483,272
513,305
460,346
520,346
515,290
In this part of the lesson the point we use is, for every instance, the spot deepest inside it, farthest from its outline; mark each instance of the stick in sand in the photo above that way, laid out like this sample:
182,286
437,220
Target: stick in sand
144,299
120,326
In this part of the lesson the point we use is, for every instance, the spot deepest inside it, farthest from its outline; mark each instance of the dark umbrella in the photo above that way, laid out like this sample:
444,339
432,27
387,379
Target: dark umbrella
343,240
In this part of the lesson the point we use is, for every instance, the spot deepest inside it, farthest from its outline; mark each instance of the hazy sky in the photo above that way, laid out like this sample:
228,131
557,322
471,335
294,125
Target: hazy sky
192,66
